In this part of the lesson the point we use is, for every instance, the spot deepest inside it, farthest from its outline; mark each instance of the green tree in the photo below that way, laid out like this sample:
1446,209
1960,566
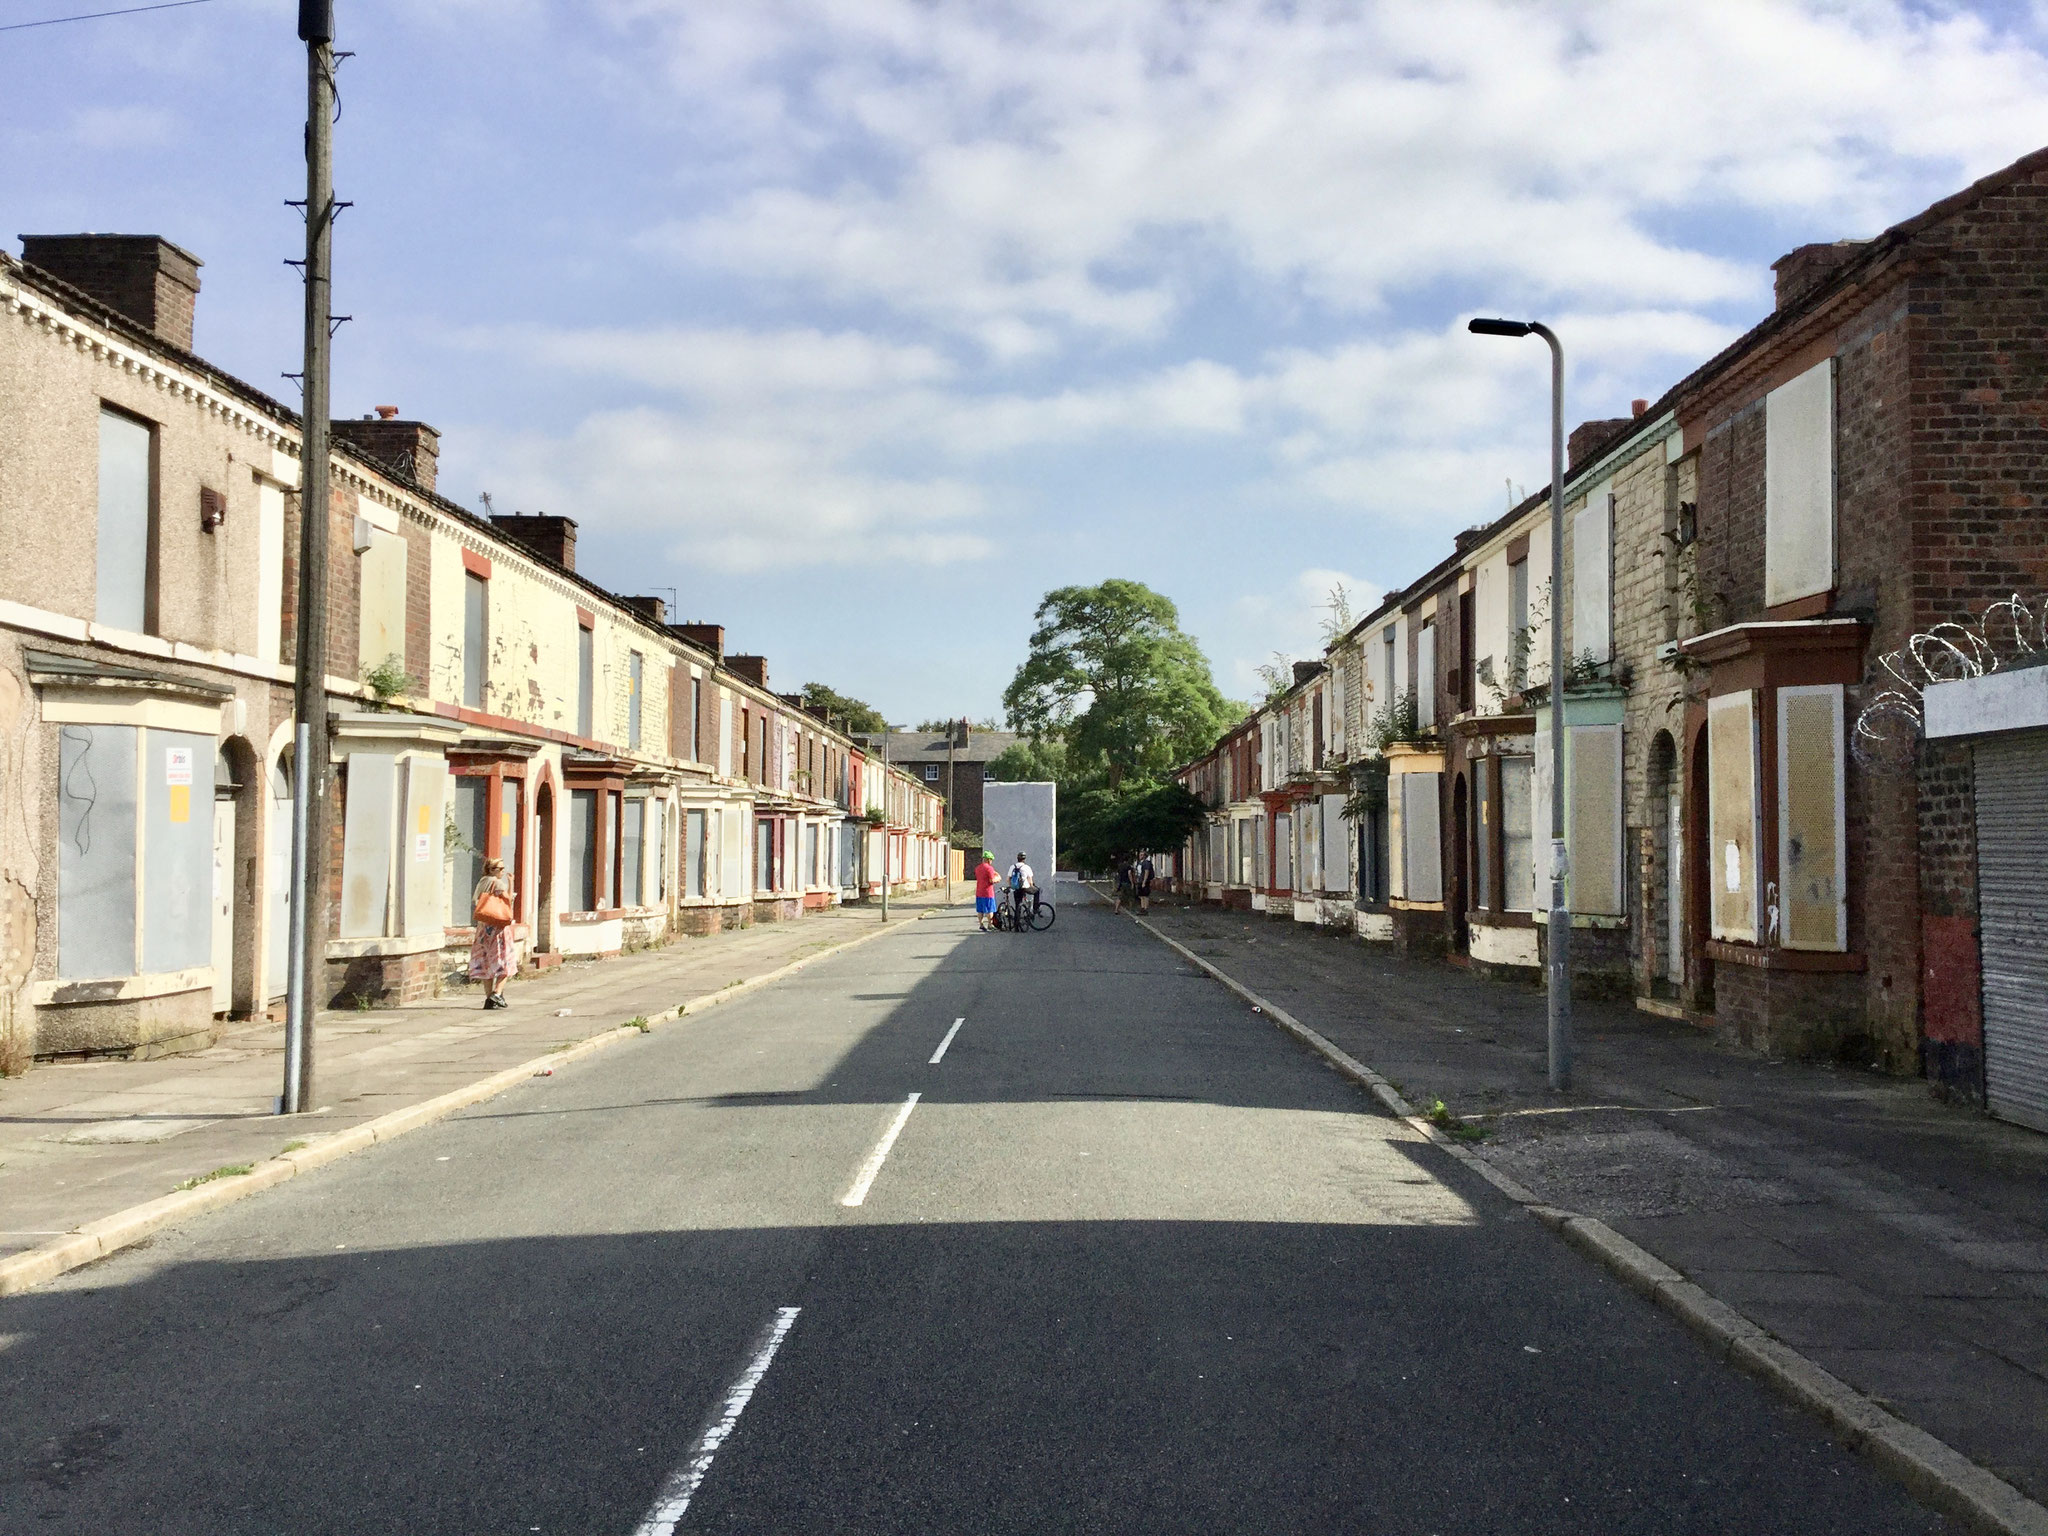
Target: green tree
1112,677
1031,761
858,716
1099,826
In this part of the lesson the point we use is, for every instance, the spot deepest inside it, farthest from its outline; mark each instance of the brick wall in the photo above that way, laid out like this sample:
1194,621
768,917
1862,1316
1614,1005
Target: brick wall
1979,466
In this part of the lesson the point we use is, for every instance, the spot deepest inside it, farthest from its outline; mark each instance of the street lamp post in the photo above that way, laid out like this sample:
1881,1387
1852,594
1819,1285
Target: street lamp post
1560,973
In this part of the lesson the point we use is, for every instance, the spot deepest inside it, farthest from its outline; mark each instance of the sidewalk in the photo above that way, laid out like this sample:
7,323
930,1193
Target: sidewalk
1897,1242
82,1141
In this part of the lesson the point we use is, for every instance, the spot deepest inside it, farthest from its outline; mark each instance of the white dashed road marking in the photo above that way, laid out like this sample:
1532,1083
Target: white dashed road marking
682,1484
946,1042
873,1165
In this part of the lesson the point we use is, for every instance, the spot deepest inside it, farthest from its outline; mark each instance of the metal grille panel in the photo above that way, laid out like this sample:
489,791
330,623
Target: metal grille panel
2012,857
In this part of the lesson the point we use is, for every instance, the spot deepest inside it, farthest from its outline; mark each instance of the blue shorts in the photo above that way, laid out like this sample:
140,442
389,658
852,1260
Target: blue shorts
984,904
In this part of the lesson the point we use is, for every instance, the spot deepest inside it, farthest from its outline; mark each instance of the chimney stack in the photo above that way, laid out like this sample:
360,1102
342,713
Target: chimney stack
653,609
540,533
145,277
753,668
1637,407
1588,437
410,450
710,636
1801,270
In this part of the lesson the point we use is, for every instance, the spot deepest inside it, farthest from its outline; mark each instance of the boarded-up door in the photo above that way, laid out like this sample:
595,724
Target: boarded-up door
2012,851
223,904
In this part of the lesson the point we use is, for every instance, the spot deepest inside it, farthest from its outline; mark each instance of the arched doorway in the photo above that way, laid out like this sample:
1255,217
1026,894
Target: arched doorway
1696,866
1664,926
544,868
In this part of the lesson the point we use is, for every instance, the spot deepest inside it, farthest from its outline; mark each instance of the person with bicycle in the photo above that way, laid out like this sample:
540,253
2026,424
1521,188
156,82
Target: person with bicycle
1021,880
985,878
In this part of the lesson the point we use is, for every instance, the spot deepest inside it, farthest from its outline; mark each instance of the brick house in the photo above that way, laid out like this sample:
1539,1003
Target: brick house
1808,729
1872,463
484,700
952,766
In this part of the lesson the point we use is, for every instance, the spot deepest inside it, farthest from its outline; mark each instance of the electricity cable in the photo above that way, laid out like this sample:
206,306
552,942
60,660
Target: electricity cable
133,10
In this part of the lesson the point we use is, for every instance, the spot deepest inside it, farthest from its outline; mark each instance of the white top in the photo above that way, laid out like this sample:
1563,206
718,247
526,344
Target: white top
1021,878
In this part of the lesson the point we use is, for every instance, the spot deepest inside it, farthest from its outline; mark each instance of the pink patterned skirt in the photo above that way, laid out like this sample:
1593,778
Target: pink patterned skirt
490,952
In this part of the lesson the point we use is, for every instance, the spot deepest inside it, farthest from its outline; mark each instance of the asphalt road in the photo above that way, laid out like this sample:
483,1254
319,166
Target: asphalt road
1133,1262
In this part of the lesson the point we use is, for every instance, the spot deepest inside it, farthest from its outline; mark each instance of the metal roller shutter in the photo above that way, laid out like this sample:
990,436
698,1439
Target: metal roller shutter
2012,853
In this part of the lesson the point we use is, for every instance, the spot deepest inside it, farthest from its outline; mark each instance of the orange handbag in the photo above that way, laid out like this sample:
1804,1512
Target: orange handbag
493,907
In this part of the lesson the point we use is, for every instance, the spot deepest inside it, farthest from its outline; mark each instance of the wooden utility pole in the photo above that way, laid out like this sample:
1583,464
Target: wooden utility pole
312,806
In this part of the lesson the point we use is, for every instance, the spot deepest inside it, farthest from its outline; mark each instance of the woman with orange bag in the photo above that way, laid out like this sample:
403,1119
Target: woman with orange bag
490,952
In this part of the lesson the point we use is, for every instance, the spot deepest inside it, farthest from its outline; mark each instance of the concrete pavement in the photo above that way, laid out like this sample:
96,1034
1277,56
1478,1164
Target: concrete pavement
1899,1243
1132,1262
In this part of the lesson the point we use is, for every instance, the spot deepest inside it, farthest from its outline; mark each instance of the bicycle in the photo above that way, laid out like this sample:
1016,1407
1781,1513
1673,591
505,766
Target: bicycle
1040,916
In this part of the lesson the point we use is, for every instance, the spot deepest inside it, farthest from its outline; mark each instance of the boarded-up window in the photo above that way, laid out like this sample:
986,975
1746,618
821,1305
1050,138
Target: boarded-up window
1811,872
469,810
177,851
372,818
657,853
96,773
631,834
1593,777
1425,677
1283,852
1422,873
381,608
1799,486
1592,809
636,669
693,853
1593,576
269,571
1732,815
122,596
586,682
1517,838
1336,845
583,848
1482,833
725,733
476,637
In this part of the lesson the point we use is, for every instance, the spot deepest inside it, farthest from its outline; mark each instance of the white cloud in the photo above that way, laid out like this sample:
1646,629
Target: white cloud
1013,173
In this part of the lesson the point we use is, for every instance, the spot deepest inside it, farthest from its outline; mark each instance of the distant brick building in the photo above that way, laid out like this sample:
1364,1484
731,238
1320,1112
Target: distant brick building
952,767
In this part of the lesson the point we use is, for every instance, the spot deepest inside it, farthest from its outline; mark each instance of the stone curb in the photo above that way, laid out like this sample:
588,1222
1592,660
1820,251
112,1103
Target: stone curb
1935,1472
95,1240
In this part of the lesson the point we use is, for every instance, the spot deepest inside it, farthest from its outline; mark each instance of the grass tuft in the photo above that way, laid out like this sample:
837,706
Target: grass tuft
230,1171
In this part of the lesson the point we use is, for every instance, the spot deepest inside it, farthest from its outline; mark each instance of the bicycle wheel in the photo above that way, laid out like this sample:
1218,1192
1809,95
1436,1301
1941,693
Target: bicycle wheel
1004,921
1042,916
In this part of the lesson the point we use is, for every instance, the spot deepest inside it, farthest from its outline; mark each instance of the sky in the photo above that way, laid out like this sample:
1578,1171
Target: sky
858,325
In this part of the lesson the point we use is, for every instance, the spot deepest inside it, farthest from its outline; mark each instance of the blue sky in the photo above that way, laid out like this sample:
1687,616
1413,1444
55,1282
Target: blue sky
861,323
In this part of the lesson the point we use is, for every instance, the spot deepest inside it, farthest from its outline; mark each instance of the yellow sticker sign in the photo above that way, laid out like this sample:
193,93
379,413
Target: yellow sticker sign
178,778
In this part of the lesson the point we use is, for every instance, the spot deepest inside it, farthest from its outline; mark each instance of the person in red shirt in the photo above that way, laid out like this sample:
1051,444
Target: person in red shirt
984,892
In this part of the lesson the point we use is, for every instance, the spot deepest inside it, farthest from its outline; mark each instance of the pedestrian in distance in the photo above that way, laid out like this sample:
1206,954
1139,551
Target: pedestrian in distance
1123,883
490,952
985,878
1141,882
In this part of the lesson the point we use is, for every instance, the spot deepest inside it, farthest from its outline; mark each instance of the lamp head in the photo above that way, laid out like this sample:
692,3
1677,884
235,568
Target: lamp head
1498,328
